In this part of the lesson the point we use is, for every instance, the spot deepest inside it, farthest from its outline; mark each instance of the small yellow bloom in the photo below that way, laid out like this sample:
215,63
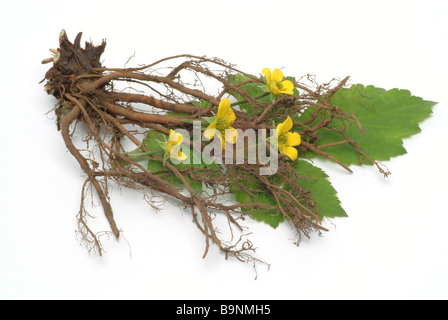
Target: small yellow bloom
276,84
172,148
288,140
222,122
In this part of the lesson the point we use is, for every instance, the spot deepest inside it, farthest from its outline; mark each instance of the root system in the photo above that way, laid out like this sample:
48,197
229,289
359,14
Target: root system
115,108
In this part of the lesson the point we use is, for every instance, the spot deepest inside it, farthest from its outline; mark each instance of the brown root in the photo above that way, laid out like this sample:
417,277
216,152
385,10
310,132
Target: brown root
115,117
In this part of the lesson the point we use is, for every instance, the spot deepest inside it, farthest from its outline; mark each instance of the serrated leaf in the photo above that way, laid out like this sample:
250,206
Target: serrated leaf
325,202
386,116
322,192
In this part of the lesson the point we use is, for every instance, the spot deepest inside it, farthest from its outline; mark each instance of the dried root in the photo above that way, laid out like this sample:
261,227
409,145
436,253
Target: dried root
117,107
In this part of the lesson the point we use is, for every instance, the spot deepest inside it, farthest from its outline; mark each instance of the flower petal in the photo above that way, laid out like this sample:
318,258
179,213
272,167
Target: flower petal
225,111
181,156
223,107
267,74
231,135
231,117
281,148
209,133
176,154
294,139
280,129
175,137
287,87
291,152
285,126
277,75
220,137
273,88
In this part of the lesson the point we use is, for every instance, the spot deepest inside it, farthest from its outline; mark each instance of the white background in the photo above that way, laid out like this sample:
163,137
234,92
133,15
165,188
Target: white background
393,245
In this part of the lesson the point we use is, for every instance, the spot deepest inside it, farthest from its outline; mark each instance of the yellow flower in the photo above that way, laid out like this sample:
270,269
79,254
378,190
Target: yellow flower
288,140
222,122
276,84
172,147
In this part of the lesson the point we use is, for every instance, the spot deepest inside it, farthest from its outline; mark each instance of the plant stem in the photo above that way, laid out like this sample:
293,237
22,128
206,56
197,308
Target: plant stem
189,121
265,94
141,155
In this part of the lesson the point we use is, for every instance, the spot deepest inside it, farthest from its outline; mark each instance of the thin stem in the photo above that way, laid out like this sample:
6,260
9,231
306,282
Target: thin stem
141,155
326,155
265,94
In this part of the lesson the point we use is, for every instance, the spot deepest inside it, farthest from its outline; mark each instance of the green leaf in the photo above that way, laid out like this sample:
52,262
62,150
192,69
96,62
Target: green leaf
253,89
201,104
386,116
265,88
325,203
178,114
209,119
322,192
153,143
155,165
272,217
153,140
